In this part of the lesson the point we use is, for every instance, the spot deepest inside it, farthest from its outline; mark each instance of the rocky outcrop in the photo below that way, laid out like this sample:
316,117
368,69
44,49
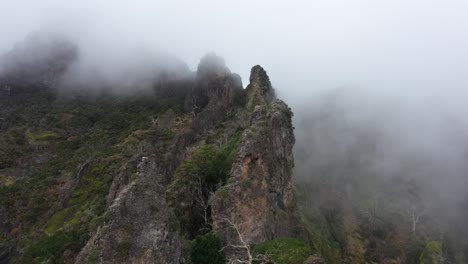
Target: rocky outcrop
126,193
217,91
143,225
259,91
258,198
142,228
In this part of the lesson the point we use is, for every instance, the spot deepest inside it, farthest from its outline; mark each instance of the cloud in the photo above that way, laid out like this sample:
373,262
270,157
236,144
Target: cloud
402,64
306,46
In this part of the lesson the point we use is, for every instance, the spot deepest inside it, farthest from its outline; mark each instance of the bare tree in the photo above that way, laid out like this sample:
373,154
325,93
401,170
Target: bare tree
201,202
243,245
415,215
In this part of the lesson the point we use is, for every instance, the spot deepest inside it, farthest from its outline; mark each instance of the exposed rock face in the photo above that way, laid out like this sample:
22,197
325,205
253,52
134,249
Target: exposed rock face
215,96
142,228
258,197
216,91
113,162
259,90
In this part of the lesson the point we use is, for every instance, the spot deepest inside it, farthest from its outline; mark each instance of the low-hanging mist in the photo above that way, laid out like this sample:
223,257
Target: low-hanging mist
367,163
377,89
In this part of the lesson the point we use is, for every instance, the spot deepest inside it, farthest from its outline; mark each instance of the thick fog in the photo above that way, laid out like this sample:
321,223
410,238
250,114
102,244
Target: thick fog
400,67
415,48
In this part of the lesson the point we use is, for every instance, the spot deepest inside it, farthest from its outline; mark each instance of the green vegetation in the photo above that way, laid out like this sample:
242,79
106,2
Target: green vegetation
207,249
70,227
284,250
201,164
323,227
6,180
52,141
41,137
212,164
87,201
12,146
222,192
434,247
200,175
432,254
240,98
51,248
167,134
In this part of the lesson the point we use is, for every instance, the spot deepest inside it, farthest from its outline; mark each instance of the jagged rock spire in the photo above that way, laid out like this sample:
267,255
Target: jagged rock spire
257,202
259,91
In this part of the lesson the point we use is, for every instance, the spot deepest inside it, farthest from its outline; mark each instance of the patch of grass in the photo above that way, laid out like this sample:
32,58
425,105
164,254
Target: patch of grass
41,137
57,220
284,250
47,136
6,180
88,200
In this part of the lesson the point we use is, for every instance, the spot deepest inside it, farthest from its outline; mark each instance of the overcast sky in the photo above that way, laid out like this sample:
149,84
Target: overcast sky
407,46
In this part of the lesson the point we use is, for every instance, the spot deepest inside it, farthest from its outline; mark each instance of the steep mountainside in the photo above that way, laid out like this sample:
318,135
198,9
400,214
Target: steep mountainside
258,197
147,177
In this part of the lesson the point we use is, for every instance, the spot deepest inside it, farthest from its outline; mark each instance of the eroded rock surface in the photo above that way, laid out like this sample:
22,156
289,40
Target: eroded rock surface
142,228
258,198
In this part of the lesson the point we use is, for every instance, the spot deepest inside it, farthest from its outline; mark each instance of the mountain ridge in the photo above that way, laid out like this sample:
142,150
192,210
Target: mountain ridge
131,178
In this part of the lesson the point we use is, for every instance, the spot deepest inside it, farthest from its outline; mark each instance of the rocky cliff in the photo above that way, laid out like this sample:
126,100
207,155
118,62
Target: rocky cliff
141,178
257,192
258,197
143,227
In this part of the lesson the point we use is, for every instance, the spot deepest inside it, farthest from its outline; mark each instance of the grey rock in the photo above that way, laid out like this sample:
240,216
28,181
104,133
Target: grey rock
143,229
259,200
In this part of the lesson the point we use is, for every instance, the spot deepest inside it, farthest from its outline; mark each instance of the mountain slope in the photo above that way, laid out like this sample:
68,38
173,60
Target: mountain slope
133,178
